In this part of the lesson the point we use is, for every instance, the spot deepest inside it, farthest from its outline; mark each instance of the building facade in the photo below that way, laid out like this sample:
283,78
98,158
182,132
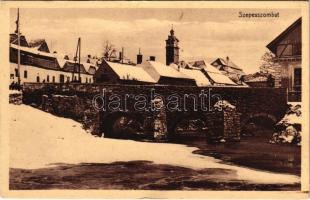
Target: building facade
38,65
287,50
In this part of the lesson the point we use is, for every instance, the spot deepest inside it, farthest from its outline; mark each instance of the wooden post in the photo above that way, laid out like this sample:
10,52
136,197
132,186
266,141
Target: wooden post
79,44
18,50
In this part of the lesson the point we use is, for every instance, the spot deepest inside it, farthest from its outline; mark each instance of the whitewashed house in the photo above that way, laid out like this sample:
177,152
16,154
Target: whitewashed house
39,65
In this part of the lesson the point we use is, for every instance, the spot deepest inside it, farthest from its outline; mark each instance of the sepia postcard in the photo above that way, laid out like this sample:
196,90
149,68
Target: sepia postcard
154,99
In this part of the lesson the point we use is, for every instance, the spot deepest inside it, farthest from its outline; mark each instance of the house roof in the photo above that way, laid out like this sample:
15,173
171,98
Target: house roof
61,61
130,72
214,74
36,43
197,75
217,76
32,50
272,44
228,63
257,79
167,71
87,66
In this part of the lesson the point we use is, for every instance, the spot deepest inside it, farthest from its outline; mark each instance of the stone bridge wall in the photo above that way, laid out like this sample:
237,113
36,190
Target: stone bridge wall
75,101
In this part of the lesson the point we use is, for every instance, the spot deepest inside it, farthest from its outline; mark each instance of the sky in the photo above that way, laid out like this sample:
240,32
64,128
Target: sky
203,32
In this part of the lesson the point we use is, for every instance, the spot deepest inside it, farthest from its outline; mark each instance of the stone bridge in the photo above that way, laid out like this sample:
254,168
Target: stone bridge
159,112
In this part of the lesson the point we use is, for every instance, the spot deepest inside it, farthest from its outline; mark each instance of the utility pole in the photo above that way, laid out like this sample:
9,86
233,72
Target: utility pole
78,50
18,49
79,43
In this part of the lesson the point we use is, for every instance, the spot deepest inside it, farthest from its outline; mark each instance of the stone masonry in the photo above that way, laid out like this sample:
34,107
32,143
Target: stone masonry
75,101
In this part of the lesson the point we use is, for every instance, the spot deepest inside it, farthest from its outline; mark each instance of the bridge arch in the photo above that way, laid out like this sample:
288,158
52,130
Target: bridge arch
122,124
182,121
258,121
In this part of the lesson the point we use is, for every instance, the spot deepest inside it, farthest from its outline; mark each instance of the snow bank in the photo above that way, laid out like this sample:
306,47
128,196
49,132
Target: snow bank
223,104
15,92
288,129
39,139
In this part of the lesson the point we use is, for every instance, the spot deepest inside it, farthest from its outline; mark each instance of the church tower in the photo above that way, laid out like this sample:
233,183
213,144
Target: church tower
172,48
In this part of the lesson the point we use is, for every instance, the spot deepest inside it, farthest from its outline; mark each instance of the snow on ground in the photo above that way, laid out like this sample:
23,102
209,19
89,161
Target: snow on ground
39,139
14,92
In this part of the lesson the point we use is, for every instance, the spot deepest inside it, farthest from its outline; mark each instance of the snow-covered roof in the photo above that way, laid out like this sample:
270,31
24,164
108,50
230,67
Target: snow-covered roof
167,71
258,79
33,50
217,76
61,62
196,74
130,72
87,66
229,63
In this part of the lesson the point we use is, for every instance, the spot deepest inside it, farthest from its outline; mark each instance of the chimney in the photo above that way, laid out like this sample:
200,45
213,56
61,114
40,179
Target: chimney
152,58
120,56
227,60
139,58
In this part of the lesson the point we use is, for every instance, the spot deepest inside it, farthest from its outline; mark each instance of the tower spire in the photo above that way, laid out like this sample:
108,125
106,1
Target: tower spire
171,31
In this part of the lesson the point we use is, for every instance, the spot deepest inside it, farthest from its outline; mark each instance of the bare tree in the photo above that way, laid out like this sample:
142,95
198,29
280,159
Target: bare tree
109,51
268,62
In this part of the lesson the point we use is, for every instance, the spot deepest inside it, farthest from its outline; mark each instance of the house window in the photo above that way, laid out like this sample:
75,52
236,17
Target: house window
48,78
86,80
61,78
297,79
53,79
11,76
25,74
38,79
68,79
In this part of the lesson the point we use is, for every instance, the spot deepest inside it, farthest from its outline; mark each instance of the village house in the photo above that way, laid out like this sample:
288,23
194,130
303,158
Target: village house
214,75
287,50
258,79
228,68
198,73
120,73
37,64
166,75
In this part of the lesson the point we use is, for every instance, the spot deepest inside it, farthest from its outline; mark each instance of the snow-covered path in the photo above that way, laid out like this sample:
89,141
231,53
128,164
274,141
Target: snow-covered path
39,139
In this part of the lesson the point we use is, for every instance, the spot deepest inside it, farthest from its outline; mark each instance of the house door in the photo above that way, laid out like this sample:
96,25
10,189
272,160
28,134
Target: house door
61,78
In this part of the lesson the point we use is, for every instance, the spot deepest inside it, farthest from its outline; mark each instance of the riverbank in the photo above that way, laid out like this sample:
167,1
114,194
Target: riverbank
253,152
57,153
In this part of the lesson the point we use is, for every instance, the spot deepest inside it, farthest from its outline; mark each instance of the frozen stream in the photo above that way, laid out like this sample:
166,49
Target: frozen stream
39,139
